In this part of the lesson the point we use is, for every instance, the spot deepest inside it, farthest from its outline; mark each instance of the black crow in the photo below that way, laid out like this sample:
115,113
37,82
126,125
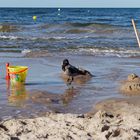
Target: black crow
72,71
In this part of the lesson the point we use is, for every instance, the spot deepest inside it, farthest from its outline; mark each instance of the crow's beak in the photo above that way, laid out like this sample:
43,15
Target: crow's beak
63,67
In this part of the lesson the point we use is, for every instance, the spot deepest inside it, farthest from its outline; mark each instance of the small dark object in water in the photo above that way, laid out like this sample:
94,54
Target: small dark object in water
72,71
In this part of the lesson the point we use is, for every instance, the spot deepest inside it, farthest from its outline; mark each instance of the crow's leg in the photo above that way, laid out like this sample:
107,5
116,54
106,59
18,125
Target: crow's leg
70,80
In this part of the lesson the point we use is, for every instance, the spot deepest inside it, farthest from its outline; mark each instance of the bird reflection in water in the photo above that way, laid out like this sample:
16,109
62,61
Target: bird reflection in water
68,95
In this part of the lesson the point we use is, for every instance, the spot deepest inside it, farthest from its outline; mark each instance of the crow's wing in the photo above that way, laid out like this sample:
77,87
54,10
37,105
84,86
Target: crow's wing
73,70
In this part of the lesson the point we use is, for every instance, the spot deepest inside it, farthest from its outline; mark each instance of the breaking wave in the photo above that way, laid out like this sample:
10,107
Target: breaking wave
84,51
4,37
119,52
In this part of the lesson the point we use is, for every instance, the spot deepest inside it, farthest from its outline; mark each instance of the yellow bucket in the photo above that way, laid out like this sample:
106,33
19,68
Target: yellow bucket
17,74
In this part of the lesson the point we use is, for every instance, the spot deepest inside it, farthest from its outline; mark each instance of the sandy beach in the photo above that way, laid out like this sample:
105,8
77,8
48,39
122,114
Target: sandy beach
113,120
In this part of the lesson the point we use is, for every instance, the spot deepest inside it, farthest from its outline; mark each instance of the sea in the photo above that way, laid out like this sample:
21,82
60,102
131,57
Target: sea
101,40
93,31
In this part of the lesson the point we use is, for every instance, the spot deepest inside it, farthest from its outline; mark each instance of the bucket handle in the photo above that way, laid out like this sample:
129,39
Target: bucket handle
18,71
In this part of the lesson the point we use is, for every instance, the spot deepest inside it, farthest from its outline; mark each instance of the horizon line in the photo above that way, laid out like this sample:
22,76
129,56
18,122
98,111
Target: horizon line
73,7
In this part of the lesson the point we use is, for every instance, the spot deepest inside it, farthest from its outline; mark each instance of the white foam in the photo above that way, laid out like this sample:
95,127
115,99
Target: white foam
9,37
25,51
110,52
47,38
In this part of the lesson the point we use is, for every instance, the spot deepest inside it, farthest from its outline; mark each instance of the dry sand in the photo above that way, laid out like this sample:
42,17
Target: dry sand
114,119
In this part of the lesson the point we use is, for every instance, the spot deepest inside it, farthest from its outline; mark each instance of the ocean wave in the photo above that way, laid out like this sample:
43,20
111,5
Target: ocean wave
8,28
46,38
53,38
96,25
10,51
80,24
68,25
4,37
45,26
110,52
119,52
82,28
77,31
104,19
35,53
25,51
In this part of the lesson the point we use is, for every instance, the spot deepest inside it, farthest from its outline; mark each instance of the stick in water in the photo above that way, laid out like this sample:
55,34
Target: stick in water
136,32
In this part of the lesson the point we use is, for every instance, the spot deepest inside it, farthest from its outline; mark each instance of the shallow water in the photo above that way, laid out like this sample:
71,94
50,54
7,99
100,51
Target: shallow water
45,90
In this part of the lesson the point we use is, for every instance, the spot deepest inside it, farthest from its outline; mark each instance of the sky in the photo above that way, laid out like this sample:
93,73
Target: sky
70,3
